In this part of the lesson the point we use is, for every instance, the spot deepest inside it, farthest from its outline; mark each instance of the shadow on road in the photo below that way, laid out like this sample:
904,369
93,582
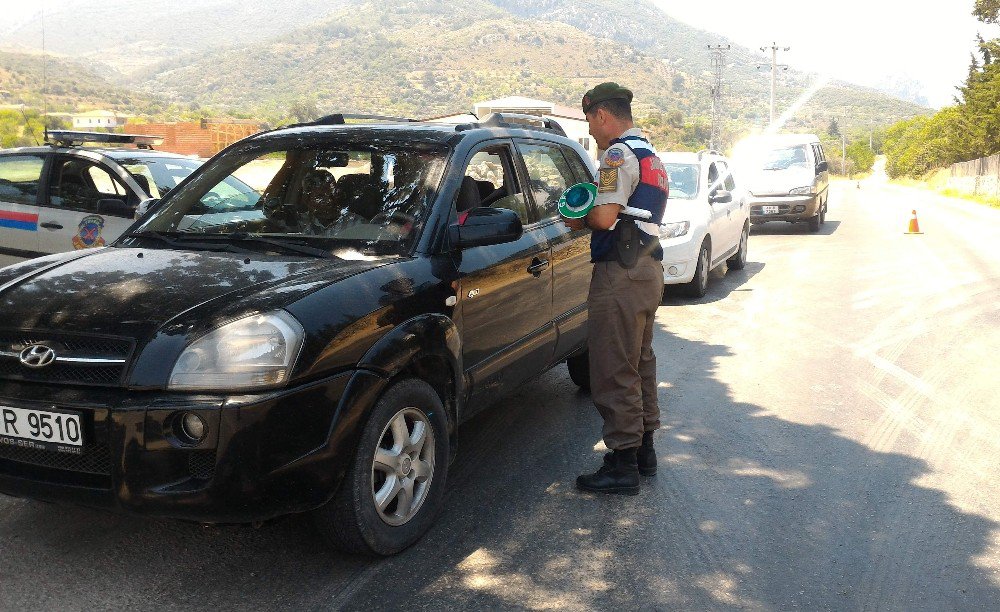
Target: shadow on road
748,511
721,283
782,228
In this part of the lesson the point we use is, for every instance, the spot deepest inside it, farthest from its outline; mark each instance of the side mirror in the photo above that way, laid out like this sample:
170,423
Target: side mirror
720,196
485,226
145,206
115,208
822,167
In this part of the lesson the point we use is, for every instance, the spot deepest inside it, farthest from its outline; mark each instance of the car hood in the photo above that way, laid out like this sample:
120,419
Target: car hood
765,182
133,292
685,210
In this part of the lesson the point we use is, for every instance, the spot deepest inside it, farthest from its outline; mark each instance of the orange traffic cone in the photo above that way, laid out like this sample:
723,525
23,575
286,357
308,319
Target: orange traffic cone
914,226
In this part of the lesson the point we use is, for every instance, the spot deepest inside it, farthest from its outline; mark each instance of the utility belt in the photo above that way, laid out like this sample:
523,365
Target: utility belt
631,243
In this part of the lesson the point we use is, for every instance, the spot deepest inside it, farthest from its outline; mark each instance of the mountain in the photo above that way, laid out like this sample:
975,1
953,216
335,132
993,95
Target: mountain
432,57
117,37
25,76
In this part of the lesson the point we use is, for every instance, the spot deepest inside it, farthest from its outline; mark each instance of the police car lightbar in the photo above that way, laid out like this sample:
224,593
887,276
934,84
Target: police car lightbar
517,120
74,138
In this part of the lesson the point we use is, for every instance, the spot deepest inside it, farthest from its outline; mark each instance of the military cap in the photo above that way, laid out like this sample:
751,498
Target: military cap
603,92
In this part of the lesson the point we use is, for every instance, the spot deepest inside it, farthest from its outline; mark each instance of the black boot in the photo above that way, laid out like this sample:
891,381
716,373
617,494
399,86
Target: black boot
645,456
619,474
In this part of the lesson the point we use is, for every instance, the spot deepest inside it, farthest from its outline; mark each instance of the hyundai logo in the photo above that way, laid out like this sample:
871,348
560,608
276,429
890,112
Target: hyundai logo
37,356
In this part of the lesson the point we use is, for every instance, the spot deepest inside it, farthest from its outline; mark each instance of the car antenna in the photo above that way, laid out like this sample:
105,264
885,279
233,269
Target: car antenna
45,85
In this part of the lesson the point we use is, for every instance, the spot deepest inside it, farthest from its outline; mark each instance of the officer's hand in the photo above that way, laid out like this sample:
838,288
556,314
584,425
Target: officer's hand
574,224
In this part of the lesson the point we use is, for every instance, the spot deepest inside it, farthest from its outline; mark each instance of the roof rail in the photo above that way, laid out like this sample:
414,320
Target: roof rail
517,121
341,119
72,138
703,152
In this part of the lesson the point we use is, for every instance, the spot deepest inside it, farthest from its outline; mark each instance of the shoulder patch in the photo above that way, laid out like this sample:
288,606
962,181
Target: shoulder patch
614,157
608,181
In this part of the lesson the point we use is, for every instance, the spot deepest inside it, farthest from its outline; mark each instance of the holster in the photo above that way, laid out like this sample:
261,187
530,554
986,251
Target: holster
631,243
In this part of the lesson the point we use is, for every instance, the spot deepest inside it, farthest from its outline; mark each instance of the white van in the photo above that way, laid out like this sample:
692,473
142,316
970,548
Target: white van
786,176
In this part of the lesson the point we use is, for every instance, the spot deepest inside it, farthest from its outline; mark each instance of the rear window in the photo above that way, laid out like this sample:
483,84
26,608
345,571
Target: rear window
19,178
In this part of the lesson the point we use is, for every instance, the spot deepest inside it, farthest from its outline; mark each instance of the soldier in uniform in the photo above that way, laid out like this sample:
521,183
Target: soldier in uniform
625,291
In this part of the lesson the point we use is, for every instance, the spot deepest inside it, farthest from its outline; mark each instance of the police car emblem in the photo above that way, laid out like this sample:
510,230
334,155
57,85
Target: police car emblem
88,233
614,158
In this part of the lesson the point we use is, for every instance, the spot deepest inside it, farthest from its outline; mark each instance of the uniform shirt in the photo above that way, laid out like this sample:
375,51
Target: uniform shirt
618,179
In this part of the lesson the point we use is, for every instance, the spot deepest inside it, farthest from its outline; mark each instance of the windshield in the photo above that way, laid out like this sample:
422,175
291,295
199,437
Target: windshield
683,181
348,200
160,175
783,158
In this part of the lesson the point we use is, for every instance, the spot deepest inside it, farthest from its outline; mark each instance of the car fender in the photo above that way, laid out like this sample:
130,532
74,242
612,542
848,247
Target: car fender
433,337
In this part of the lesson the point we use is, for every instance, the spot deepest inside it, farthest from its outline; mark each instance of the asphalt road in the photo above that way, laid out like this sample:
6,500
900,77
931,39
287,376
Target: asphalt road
831,441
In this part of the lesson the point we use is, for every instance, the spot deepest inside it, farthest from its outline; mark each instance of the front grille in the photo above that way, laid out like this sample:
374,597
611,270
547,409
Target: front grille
66,346
96,458
201,464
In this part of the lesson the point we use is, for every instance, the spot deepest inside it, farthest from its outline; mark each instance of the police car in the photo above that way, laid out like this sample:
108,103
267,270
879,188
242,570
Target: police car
707,220
64,196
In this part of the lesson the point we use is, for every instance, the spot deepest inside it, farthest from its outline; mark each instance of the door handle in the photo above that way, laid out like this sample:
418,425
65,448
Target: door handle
538,266
52,225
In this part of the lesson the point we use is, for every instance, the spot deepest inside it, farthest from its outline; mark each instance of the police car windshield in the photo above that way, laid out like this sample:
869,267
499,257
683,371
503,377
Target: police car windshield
683,181
364,199
160,174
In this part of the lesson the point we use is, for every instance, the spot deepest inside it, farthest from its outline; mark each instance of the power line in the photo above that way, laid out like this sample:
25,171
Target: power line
718,62
774,69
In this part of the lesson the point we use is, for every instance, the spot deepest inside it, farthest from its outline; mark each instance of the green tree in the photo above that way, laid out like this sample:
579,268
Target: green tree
860,156
834,128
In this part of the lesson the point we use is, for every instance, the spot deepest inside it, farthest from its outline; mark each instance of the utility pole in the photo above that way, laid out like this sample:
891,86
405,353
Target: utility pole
774,69
843,149
718,61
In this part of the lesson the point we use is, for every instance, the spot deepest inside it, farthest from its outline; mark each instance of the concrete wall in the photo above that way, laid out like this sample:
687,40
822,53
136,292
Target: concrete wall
977,177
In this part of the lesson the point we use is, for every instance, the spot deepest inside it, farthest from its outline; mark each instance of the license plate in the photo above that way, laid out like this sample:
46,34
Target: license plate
56,431
769,210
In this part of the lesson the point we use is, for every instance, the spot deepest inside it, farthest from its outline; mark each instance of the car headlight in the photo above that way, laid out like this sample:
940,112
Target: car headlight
253,352
800,191
674,230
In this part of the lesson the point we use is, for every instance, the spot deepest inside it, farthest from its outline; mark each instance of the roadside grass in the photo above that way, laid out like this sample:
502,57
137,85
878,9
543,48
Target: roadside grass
937,181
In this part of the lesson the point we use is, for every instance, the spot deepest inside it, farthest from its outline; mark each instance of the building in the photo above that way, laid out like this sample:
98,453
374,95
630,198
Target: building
572,120
203,138
98,119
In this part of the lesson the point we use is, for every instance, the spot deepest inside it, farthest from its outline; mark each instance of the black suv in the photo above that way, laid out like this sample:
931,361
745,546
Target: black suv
307,345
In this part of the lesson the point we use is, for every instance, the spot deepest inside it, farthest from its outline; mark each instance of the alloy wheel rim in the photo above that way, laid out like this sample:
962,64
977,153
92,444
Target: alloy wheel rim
403,466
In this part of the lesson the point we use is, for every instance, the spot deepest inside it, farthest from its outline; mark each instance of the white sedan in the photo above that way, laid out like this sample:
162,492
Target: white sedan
706,223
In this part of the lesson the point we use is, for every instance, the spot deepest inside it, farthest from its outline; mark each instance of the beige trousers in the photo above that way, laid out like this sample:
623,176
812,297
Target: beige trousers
622,311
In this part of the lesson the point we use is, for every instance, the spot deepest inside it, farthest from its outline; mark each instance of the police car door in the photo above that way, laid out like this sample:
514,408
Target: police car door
75,211
20,185
505,290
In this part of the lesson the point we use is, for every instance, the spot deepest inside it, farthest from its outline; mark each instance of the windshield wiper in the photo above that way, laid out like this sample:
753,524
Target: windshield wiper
181,241
288,245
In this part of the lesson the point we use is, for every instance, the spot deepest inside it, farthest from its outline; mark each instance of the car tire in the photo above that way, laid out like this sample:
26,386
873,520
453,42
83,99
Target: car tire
352,521
579,370
822,214
698,286
814,223
739,260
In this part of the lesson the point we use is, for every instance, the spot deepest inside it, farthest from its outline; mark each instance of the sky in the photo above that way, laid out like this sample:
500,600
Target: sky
861,41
